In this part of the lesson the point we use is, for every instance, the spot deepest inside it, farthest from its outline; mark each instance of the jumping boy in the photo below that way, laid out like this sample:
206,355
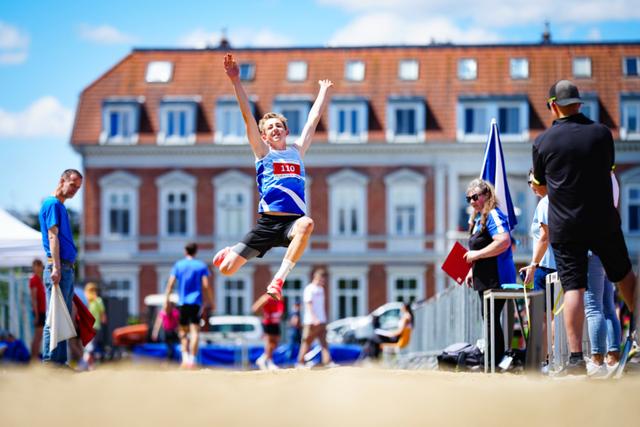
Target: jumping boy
280,178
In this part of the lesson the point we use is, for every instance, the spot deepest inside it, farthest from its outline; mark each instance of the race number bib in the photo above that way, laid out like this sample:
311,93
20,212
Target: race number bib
286,169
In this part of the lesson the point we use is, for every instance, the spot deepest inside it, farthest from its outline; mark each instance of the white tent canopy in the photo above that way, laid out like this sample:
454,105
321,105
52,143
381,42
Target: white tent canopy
19,243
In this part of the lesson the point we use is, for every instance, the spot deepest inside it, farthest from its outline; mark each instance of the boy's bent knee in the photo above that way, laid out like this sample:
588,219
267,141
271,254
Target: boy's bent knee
305,225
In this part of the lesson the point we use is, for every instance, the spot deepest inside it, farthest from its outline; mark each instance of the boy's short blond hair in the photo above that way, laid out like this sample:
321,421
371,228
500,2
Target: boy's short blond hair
272,115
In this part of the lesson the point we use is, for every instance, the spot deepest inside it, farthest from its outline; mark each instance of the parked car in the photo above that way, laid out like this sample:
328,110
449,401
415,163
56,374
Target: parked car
357,330
233,330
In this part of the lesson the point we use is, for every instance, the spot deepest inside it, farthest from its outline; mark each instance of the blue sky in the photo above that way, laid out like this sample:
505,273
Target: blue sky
50,52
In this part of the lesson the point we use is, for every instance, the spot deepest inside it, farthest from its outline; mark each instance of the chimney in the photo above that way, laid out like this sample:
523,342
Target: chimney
546,34
224,42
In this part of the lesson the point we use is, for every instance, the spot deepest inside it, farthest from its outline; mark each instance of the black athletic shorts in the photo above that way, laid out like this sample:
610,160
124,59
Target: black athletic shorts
189,314
273,329
572,259
270,231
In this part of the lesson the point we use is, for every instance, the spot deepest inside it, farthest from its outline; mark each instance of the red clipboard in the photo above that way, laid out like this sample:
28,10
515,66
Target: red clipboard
455,265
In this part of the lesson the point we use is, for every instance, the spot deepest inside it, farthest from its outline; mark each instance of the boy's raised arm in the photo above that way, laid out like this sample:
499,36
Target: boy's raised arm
314,116
259,148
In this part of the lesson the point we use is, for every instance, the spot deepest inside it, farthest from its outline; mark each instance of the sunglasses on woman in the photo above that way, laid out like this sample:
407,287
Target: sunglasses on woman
473,197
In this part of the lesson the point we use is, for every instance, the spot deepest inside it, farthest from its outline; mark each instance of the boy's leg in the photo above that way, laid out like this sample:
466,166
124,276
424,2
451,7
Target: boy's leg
300,233
183,331
194,337
229,261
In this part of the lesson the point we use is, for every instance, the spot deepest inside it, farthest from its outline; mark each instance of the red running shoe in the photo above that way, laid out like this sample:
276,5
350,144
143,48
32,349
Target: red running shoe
274,290
220,256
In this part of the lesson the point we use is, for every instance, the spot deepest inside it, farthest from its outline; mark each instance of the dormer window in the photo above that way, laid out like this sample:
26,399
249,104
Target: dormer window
159,72
120,120
247,71
178,120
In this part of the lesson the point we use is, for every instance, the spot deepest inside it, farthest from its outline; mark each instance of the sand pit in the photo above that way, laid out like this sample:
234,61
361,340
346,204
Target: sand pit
134,395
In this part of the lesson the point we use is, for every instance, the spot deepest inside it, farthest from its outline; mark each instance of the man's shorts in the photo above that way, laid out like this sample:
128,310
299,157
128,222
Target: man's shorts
40,319
189,314
272,329
572,259
270,231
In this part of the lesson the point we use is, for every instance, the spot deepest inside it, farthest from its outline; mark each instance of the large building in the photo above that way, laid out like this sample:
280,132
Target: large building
166,160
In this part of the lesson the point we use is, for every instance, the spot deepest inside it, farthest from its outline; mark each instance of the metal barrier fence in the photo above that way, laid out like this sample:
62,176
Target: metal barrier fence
454,315
16,316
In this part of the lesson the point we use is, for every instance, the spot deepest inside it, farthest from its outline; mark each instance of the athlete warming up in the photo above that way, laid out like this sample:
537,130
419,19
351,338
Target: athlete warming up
280,179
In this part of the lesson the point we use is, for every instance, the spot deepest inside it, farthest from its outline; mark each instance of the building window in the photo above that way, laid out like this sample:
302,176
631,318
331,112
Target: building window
120,120
121,283
475,114
233,294
467,69
633,210
519,68
630,120
230,127
405,210
177,204
178,120
233,205
159,72
348,120
119,213
408,69
347,210
297,71
247,71
631,66
582,67
292,292
354,71
406,119
348,292
590,107
296,110
405,284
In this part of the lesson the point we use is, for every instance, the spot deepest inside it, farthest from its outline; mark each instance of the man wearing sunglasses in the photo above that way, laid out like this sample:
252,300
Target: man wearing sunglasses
574,159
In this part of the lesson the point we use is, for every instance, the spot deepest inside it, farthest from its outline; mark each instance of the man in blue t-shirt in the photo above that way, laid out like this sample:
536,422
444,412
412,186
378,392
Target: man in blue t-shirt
57,240
192,277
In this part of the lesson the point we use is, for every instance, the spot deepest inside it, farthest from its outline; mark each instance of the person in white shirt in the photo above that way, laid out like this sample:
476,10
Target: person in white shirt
315,317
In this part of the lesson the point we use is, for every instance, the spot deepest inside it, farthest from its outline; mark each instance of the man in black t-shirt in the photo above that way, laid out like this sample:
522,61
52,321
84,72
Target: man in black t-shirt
574,159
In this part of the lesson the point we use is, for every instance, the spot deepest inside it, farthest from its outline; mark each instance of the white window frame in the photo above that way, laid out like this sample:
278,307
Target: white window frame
189,108
300,104
226,106
159,72
246,275
415,104
131,107
627,102
469,72
629,180
297,71
408,70
576,72
356,272
252,71
492,108
300,273
163,272
239,183
122,183
109,273
415,183
355,70
361,107
625,70
405,272
515,66
180,182
356,183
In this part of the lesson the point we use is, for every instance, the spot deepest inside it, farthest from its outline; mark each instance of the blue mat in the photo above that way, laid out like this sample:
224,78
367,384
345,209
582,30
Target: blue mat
14,351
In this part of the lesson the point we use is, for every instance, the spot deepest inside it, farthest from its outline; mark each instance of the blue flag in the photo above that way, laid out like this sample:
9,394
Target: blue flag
493,172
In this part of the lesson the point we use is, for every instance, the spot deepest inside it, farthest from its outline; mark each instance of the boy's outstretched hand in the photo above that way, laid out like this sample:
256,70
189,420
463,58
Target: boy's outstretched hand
231,67
325,83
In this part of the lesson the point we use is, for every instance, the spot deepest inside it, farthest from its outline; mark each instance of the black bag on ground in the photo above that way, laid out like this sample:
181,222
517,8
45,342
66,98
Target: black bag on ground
460,356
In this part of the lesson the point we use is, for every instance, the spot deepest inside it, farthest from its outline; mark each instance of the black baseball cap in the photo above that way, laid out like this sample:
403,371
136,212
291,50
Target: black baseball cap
563,93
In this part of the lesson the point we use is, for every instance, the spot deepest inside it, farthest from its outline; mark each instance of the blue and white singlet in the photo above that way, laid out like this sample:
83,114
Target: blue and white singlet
280,179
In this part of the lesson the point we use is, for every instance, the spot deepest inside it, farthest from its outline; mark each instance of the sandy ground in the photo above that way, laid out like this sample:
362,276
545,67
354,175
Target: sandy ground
135,395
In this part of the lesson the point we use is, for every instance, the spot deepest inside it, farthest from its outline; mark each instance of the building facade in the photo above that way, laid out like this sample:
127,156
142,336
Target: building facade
166,159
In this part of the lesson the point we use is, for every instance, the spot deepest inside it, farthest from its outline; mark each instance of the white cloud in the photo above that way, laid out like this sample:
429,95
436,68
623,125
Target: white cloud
45,117
104,34
365,30
594,35
14,45
240,37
